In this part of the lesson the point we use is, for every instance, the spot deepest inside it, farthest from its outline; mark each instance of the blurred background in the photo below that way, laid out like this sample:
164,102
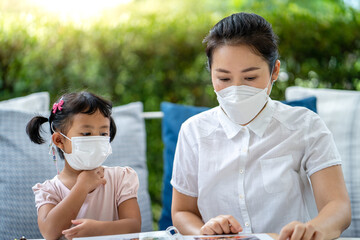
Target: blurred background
151,51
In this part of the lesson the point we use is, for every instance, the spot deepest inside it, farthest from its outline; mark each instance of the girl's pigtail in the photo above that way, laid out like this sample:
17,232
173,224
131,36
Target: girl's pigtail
33,129
112,129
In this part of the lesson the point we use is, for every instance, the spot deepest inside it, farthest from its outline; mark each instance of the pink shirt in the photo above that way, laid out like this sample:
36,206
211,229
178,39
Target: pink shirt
102,204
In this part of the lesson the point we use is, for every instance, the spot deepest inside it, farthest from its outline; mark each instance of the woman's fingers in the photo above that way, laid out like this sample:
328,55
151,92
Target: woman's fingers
300,231
234,225
309,232
222,224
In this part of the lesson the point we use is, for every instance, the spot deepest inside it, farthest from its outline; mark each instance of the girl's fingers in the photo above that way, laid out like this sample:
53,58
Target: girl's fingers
69,231
77,221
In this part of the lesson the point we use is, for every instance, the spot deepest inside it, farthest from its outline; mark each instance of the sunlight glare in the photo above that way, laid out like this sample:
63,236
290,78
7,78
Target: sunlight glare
78,9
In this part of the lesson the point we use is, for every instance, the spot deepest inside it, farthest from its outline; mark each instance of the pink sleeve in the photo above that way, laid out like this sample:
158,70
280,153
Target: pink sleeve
45,194
127,184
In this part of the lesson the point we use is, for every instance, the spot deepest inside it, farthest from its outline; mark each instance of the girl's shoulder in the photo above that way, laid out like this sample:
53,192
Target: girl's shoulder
50,183
53,187
119,171
121,177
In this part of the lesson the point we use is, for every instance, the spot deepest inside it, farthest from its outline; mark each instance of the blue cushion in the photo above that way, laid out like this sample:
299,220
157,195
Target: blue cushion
174,116
309,102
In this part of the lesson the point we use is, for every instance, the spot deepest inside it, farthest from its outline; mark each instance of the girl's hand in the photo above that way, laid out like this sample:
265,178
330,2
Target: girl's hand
91,179
298,230
222,224
83,228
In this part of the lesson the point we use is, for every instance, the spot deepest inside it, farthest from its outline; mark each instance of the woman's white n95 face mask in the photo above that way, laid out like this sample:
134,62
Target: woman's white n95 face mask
88,152
242,103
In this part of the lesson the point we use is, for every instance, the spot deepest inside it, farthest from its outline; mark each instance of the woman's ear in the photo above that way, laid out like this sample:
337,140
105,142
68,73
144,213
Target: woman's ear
58,140
275,72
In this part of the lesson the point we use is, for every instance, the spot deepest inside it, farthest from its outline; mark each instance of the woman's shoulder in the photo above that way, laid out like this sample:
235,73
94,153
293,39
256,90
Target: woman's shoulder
203,123
294,117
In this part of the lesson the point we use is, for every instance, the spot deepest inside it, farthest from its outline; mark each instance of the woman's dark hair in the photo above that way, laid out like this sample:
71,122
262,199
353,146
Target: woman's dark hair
61,120
244,28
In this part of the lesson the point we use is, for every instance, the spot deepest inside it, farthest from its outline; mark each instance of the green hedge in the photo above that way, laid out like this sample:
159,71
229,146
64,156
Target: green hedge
152,51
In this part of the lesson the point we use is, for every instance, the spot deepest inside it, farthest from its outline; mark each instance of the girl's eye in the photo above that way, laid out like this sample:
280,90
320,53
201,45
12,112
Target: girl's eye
250,78
104,134
86,134
224,79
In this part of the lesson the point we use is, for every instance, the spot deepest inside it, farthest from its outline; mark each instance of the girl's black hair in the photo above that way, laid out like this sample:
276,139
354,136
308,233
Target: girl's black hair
244,28
61,120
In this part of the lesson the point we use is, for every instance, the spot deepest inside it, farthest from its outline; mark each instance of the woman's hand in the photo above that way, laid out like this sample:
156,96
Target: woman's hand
222,224
300,231
83,228
91,179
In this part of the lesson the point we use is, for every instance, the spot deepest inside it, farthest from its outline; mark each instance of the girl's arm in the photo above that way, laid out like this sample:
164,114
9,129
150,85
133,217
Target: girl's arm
333,204
53,219
187,219
129,222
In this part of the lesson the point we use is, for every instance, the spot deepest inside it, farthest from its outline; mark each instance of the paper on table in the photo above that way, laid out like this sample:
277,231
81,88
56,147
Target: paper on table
163,235
171,233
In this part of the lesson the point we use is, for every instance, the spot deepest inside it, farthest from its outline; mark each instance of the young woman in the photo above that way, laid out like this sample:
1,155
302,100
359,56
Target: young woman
253,164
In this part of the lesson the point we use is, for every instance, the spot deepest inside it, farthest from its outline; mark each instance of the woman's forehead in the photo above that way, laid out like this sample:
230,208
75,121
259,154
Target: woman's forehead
239,56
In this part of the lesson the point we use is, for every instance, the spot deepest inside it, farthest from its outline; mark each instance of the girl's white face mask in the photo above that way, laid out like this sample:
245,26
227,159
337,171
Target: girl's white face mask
242,103
88,152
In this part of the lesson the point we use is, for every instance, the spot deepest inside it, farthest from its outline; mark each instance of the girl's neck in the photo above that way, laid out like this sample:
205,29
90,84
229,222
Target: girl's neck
68,176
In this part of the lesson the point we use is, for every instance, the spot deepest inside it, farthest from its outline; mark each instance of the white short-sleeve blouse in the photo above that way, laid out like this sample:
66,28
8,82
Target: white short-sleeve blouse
258,173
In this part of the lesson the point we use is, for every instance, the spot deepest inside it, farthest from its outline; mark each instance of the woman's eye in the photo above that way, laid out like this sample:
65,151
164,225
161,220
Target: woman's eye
250,78
224,79
104,134
86,134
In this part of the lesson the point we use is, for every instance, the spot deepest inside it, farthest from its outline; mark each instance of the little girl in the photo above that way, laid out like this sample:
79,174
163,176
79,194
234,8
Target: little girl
86,198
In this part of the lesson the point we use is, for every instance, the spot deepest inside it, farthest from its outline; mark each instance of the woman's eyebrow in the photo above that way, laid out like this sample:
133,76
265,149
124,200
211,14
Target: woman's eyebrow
222,70
250,69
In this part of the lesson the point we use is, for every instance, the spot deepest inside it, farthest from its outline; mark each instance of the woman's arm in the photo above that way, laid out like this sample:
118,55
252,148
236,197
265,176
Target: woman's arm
53,219
129,222
187,219
185,214
333,204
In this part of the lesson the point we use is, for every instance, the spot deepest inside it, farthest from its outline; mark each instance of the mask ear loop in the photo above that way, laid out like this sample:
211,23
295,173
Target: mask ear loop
271,82
52,150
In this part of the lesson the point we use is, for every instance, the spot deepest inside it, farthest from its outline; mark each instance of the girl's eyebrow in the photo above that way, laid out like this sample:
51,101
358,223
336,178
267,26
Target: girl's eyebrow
92,127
